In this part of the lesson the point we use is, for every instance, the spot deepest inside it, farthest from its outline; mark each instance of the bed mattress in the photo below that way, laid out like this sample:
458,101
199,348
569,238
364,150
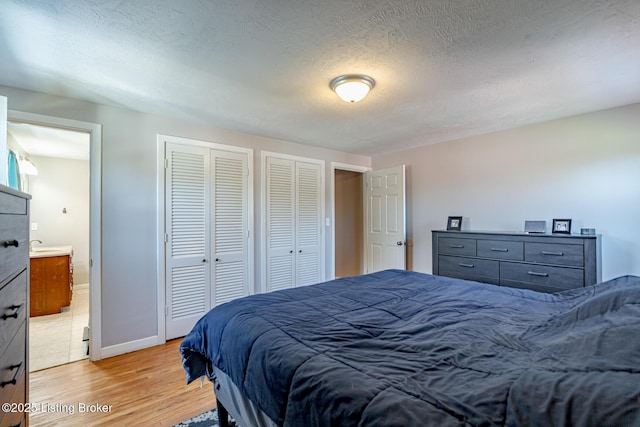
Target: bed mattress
399,348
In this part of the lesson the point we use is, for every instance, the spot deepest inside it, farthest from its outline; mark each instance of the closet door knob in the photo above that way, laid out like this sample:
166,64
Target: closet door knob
217,259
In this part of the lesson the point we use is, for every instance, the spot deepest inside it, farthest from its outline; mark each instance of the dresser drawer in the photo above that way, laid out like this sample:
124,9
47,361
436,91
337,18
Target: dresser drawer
12,366
500,249
10,204
546,277
13,308
469,268
16,418
554,253
457,246
14,244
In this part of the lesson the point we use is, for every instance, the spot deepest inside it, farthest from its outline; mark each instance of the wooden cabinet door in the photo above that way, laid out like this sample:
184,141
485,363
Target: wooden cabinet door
50,285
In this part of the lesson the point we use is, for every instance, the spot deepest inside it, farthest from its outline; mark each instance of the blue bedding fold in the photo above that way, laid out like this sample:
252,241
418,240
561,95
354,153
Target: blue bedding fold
399,348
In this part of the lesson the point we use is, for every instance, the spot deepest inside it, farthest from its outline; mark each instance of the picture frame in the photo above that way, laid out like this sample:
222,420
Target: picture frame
454,223
561,226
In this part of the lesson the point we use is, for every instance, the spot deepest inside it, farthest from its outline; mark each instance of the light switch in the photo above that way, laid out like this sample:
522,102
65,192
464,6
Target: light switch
34,226
327,221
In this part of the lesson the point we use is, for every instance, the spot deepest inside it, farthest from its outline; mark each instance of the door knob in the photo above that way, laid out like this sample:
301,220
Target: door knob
399,243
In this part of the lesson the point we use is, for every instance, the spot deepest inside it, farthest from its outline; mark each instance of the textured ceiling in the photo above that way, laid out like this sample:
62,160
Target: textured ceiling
444,69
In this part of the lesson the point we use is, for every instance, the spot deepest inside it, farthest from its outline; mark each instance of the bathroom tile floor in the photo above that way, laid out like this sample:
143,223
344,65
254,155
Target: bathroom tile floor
56,339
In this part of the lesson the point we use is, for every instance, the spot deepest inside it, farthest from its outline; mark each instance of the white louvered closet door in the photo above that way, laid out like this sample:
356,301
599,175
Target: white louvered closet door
308,223
207,226
187,187
280,223
229,226
293,223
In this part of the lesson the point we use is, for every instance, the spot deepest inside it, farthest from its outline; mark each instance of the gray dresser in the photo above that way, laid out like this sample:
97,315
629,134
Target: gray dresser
542,262
14,305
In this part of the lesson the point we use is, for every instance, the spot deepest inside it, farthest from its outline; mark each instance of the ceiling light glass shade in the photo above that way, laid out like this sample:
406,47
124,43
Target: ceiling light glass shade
27,167
352,88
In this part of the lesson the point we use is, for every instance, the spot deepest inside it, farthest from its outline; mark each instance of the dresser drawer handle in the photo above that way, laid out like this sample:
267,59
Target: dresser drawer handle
19,367
462,264
500,249
14,242
533,273
552,253
17,308
456,246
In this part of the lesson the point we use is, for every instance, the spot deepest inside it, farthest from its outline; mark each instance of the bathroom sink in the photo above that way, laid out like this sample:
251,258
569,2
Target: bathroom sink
49,249
44,251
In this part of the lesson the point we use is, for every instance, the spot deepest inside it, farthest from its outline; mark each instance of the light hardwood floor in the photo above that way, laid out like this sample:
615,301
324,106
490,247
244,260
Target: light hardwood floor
144,388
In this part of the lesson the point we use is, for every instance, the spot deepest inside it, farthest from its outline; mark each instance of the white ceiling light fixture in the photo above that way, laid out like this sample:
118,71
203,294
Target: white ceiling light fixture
352,87
27,167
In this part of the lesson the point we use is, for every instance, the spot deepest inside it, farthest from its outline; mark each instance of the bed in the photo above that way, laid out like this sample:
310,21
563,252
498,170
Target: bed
400,348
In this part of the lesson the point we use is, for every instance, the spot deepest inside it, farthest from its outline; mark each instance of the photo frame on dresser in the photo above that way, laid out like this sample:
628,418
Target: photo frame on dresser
454,223
561,226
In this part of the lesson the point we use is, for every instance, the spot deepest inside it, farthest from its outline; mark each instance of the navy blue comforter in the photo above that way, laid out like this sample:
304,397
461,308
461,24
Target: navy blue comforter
399,348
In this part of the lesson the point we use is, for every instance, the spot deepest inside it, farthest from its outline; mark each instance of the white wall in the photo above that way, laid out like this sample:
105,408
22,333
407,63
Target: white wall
129,227
62,184
586,168
4,169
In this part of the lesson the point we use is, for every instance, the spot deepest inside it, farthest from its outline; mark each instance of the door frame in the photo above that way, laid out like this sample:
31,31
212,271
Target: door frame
160,209
332,218
95,211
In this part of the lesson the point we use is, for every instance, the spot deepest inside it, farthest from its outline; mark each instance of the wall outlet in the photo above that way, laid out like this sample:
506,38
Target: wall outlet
34,226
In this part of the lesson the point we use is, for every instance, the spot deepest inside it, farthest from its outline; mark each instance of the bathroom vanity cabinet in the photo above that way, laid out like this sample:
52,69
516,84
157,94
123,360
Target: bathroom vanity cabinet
51,284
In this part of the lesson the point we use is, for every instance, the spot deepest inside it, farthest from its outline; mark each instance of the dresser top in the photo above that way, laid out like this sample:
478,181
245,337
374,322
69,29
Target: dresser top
13,192
518,233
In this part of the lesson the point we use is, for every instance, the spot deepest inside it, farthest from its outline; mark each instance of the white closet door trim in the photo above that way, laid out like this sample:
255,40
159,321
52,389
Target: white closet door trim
160,199
263,211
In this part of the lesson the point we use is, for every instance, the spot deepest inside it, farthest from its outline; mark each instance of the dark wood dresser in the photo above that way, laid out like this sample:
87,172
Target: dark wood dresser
14,306
542,262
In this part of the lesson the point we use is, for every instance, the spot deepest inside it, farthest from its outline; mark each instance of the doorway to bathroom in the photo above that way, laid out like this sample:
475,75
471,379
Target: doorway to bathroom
61,180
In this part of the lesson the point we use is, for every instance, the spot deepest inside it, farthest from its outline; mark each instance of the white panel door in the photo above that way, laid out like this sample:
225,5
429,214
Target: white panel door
308,223
280,223
230,228
385,219
188,276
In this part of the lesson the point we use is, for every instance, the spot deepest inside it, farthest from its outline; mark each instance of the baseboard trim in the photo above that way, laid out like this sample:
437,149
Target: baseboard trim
128,347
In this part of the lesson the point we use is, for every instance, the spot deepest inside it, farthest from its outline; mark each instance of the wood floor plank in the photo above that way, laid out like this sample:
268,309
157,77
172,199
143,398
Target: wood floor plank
145,388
